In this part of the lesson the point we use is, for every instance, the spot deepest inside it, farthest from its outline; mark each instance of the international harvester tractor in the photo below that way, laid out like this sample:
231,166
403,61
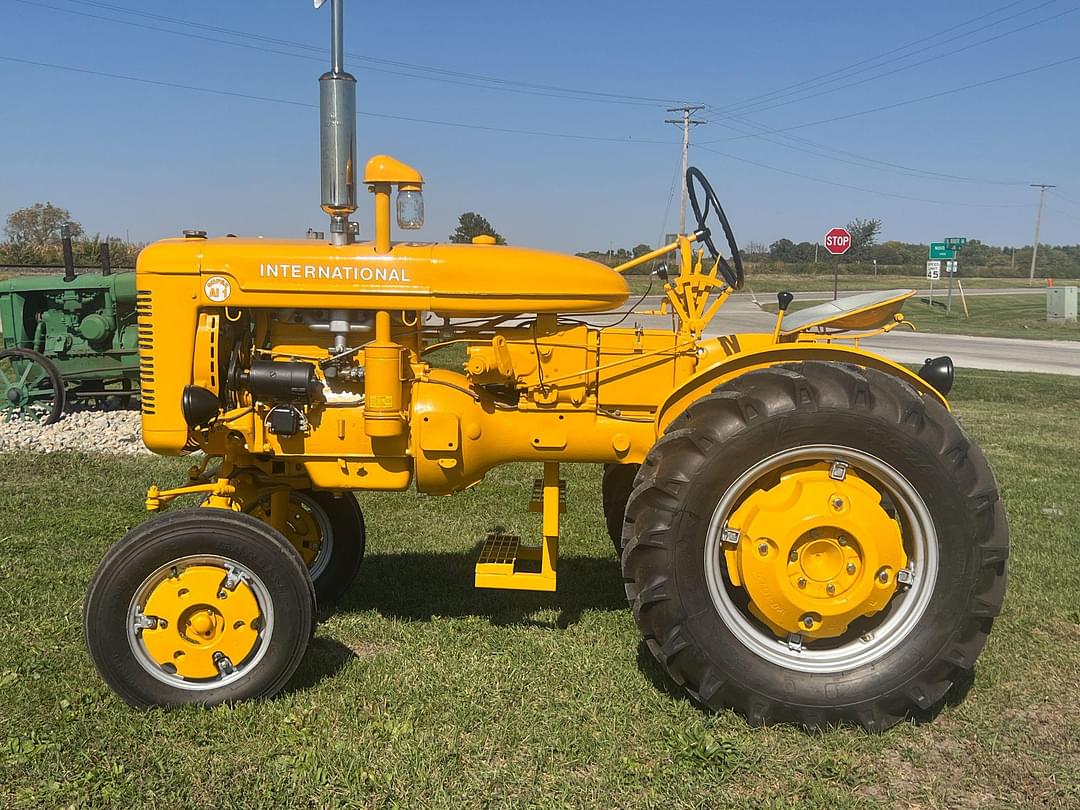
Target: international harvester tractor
805,532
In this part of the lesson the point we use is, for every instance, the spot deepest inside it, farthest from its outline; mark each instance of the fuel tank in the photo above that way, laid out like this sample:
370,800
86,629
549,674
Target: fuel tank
448,279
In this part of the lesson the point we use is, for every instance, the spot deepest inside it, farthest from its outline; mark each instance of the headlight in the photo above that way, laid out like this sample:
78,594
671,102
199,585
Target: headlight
410,208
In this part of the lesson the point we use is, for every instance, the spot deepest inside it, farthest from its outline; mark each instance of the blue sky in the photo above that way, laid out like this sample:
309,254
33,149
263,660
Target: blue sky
146,160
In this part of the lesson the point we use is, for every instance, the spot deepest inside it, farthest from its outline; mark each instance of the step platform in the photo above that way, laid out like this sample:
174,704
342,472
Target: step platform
506,562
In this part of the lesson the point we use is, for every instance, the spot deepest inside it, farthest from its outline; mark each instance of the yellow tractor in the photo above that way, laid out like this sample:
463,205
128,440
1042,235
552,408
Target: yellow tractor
805,532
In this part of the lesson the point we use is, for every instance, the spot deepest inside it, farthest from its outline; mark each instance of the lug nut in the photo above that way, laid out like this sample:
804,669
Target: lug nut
808,622
851,568
830,588
841,540
763,549
883,576
802,582
793,556
838,504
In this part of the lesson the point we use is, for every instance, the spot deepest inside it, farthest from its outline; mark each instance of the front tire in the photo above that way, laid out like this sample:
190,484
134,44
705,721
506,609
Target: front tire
199,606
329,533
752,602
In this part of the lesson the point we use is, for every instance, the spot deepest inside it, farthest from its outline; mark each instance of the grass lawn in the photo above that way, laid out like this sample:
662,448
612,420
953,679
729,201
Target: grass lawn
422,692
1016,316
1011,316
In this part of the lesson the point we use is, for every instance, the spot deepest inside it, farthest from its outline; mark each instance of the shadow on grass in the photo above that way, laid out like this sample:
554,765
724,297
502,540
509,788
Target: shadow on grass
421,586
325,657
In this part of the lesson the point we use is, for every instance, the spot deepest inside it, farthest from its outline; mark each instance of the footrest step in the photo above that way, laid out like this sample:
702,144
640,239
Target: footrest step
536,502
506,562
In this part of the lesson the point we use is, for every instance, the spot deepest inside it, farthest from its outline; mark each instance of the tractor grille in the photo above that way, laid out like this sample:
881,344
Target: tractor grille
144,309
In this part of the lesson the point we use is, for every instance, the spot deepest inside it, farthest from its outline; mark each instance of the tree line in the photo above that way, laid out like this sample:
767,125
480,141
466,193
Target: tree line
891,256
33,239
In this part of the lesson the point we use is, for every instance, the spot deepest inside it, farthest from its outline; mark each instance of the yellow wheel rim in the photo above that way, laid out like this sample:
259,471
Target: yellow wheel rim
306,528
816,551
200,619
821,558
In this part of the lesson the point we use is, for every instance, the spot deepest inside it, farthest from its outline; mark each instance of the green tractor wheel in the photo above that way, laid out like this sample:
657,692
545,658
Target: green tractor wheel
31,385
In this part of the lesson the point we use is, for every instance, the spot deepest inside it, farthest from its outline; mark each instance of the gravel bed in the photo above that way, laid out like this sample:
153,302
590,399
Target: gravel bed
86,431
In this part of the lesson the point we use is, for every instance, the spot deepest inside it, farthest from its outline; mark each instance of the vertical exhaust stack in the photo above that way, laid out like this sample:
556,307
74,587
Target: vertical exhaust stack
337,133
69,256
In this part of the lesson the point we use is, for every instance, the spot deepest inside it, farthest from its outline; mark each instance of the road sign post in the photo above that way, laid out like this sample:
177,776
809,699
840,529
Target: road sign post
954,244
933,272
837,242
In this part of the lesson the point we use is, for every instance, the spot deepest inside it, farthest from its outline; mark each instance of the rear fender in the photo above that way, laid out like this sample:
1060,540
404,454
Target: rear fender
730,367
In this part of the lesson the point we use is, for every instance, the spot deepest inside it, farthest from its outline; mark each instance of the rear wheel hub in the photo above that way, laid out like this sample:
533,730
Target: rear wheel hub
815,552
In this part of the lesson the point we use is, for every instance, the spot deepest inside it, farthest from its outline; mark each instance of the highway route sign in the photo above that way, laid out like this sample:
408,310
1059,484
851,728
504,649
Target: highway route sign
938,250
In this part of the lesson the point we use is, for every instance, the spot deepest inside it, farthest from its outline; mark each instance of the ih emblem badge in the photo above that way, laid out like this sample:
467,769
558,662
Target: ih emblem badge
217,288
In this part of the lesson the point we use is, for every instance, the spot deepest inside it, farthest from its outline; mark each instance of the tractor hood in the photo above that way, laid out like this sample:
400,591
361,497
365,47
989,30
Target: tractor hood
452,280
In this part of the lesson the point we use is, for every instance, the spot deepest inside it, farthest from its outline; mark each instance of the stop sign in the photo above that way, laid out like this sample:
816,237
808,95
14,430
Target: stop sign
837,241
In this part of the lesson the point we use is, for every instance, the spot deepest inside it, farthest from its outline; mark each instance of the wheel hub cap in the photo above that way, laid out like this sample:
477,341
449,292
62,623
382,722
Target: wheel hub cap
815,553
200,619
301,528
14,396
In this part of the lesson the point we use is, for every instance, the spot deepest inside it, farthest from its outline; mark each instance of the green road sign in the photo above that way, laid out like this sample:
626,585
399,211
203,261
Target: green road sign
938,250
955,242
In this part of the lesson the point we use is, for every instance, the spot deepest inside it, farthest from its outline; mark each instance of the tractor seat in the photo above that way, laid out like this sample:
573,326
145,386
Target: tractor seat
865,311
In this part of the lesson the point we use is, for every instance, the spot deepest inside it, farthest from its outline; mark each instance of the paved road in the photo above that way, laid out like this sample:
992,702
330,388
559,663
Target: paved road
939,289
741,314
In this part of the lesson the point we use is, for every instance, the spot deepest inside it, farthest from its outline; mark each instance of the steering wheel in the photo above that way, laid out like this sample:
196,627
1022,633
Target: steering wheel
733,276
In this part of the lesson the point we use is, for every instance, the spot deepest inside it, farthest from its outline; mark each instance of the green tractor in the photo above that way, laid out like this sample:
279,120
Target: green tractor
66,339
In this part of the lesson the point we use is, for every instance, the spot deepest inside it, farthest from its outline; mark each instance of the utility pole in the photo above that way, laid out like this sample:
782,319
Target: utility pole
685,122
1042,187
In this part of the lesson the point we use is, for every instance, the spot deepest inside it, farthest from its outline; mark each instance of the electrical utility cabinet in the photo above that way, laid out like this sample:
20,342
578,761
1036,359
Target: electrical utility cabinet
1061,304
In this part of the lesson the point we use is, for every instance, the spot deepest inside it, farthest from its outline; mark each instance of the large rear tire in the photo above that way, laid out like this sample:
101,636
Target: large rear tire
617,485
202,606
904,469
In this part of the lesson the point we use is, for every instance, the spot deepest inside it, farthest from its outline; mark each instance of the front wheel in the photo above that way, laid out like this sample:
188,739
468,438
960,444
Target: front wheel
200,606
814,544
328,531
31,385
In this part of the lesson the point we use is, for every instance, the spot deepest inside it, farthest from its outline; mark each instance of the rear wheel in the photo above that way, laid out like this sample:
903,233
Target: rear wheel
816,543
617,485
200,606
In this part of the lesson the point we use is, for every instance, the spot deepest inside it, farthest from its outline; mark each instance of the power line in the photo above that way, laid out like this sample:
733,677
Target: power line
265,48
821,150
504,130
860,188
366,113
371,63
920,42
933,58
907,102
